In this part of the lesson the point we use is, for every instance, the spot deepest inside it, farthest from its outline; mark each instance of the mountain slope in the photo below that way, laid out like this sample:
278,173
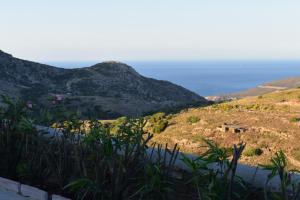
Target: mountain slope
270,122
277,85
104,90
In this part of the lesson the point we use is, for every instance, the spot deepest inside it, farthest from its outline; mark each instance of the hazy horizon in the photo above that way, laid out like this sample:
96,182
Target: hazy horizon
168,63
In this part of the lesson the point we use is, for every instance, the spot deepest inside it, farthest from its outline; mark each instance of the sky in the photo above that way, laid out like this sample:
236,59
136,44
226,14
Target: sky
81,30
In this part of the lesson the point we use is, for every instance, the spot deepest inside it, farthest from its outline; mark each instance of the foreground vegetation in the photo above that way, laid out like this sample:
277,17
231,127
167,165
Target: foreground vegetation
101,162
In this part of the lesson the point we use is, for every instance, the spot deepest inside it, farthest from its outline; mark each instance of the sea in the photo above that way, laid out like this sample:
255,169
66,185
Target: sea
210,78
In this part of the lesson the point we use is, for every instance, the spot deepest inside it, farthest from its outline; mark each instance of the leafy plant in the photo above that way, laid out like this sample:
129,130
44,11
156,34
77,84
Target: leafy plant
193,119
278,166
215,182
157,117
160,126
91,161
295,119
249,152
115,162
158,182
121,121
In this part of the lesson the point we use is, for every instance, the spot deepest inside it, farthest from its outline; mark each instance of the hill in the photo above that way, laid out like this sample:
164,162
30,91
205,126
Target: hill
267,123
105,90
277,85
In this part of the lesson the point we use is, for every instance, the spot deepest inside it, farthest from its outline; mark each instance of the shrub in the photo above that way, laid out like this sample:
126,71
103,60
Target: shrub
215,183
253,107
229,151
193,119
157,117
225,107
90,166
121,121
249,152
264,145
160,126
259,107
279,168
102,165
260,97
296,154
295,119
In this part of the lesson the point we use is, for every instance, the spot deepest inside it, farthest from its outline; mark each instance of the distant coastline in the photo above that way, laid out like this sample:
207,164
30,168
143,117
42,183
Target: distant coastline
277,85
210,78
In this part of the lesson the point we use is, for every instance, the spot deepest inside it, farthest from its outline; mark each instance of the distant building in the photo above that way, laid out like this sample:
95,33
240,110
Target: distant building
220,99
231,128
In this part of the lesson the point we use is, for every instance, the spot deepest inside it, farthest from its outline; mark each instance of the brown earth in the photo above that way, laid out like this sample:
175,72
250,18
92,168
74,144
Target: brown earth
271,122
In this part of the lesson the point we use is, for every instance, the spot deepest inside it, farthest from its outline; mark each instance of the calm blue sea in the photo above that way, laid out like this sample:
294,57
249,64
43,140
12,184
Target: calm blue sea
210,77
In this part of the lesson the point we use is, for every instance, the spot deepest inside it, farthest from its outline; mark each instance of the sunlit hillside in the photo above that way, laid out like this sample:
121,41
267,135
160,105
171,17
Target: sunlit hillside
266,123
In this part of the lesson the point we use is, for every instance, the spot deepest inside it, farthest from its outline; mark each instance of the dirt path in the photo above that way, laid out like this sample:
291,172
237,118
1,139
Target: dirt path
272,87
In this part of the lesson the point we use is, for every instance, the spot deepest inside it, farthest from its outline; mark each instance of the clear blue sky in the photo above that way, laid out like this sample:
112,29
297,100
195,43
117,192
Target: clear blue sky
64,30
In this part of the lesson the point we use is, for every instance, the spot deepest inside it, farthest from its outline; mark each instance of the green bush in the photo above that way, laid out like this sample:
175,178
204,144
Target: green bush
279,168
249,152
253,107
225,107
79,166
295,119
157,117
121,121
296,154
193,119
258,107
92,165
215,183
160,126
229,151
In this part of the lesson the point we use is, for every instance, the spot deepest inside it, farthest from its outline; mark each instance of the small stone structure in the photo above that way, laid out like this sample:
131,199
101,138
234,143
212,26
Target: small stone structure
231,128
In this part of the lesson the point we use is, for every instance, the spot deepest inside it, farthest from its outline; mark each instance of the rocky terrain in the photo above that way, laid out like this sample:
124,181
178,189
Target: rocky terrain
105,90
266,123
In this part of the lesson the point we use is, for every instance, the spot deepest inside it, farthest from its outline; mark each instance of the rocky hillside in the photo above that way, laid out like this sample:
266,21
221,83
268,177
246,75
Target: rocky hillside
267,123
104,90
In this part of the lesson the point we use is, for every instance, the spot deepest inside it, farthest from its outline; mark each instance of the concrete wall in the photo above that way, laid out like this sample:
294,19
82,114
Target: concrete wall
28,191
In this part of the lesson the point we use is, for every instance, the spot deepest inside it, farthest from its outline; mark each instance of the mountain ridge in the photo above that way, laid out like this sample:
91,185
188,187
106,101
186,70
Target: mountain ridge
108,88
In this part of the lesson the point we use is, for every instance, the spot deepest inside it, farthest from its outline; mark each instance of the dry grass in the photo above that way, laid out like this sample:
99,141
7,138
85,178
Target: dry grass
266,118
